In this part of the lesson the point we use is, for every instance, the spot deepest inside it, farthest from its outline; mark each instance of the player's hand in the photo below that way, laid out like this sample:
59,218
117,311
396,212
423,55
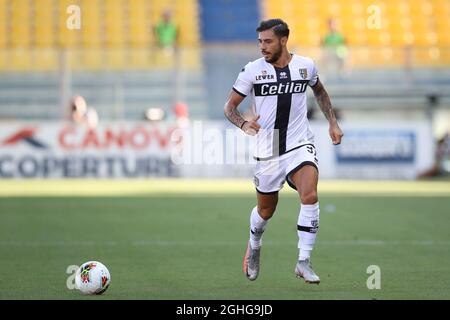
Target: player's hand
336,133
251,127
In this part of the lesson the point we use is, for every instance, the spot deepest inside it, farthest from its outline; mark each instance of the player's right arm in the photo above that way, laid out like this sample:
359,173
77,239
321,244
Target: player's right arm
250,127
241,88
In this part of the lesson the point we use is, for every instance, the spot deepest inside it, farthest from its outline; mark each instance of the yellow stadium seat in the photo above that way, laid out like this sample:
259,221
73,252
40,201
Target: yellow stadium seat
3,24
445,56
45,59
74,58
375,57
115,58
4,57
357,8
442,32
2,37
270,8
188,33
44,37
20,59
20,35
396,12
391,56
357,39
113,34
139,59
190,58
20,23
188,27
162,59
425,38
443,39
44,34
427,56
157,7
415,23
20,8
374,38
92,59
140,29
302,12
114,20
91,23
440,5
326,9
398,33
346,26
360,56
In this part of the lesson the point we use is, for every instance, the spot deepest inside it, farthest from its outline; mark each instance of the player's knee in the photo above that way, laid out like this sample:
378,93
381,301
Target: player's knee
309,197
266,212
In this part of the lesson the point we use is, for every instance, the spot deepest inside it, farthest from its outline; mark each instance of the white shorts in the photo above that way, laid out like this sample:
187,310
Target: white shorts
270,175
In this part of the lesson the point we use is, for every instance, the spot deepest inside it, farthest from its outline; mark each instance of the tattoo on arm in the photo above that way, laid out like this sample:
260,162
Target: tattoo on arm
324,101
234,116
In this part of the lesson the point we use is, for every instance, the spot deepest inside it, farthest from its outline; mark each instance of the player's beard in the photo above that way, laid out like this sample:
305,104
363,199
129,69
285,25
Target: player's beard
276,55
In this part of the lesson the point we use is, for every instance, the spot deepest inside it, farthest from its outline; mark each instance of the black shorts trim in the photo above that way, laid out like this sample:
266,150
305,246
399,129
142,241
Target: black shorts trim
239,93
267,193
272,157
301,165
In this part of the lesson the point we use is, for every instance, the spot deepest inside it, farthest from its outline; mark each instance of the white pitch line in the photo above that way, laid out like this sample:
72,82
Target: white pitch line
169,243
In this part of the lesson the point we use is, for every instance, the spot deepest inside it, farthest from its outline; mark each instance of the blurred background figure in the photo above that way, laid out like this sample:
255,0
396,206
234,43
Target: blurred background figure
181,114
166,32
441,167
80,113
155,115
335,52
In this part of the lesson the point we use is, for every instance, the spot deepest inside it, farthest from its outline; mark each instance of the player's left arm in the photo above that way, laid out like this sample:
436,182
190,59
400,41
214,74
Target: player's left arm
323,99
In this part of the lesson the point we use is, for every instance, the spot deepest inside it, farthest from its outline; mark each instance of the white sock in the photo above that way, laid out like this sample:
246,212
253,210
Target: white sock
257,226
307,226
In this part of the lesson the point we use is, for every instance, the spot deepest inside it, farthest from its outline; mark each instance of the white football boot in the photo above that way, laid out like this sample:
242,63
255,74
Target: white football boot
304,270
251,262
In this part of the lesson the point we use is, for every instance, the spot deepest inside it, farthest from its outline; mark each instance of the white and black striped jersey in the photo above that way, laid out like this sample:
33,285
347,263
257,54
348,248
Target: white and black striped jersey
279,97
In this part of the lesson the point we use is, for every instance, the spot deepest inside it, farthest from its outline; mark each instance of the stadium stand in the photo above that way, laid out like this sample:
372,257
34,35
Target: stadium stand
127,26
421,25
111,58
114,33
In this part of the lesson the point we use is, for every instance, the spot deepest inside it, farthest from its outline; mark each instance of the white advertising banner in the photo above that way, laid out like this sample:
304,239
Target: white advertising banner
204,149
60,150
397,150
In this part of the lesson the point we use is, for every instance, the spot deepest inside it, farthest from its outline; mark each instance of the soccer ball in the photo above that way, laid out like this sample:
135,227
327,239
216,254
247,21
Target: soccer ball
92,277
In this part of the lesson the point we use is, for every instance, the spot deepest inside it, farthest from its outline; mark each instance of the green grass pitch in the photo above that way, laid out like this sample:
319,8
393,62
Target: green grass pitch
185,239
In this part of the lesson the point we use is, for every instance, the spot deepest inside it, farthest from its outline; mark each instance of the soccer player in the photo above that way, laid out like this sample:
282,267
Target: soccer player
285,143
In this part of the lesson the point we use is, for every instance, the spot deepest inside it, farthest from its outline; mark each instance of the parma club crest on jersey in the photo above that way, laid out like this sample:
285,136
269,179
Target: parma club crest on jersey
303,72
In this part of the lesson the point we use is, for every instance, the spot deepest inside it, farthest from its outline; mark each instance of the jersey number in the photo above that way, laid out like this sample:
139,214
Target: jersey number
311,149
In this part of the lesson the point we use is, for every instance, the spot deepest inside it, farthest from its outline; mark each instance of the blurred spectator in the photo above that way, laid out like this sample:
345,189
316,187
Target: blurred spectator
155,114
166,32
182,114
335,49
441,167
80,113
